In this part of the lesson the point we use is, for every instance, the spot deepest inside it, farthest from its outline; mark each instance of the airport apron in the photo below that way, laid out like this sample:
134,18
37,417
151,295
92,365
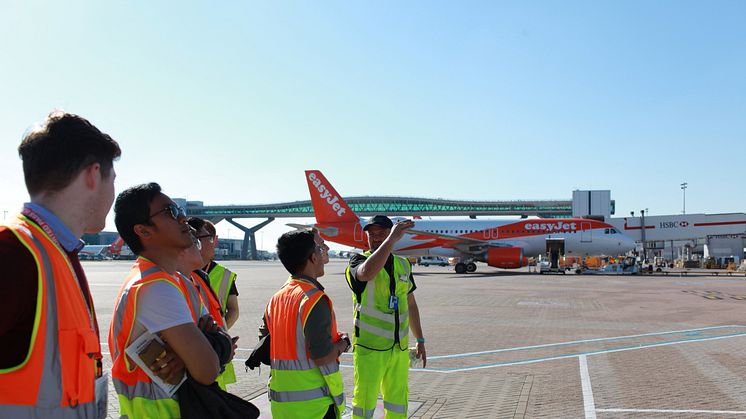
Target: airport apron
381,340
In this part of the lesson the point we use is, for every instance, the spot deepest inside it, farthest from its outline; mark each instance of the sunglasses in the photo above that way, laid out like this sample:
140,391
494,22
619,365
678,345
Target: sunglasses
175,210
210,238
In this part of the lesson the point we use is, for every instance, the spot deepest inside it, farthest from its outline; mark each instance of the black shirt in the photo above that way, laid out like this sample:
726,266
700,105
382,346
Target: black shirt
17,301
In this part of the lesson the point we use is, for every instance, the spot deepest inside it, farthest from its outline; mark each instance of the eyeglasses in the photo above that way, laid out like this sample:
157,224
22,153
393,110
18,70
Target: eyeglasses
210,238
175,210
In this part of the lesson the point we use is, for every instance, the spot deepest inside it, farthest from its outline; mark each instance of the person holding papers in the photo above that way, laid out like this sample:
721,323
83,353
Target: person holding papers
155,299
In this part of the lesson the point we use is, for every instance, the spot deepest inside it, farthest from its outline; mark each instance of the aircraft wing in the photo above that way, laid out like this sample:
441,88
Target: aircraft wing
451,240
329,231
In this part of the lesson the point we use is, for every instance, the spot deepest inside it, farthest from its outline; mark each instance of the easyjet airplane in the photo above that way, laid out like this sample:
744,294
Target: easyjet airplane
501,244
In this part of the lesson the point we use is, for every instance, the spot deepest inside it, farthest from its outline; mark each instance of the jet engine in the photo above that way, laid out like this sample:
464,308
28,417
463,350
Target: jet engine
505,257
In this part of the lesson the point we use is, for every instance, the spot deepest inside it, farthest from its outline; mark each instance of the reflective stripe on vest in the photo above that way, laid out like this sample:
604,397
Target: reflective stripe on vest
221,280
305,395
138,395
292,367
374,321
381,332
63,343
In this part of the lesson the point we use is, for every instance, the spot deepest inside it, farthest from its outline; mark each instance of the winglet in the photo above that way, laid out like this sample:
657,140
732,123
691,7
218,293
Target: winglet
328,205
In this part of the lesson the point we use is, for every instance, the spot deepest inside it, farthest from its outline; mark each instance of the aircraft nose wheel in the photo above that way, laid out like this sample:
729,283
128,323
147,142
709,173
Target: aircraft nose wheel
471,267
460,268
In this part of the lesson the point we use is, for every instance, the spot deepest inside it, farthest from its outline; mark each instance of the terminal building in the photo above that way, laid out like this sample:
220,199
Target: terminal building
671,237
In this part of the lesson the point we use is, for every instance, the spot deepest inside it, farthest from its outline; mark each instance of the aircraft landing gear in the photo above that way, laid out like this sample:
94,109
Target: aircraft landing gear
462,268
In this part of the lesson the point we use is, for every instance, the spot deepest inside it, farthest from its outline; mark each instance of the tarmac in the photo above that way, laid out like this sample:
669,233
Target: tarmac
514,344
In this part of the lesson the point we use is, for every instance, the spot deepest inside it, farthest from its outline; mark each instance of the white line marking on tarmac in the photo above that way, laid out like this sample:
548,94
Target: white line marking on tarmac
563,356
670,332
694,412
585,380
551,358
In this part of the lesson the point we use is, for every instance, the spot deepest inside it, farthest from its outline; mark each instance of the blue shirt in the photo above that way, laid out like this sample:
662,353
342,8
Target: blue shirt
66,238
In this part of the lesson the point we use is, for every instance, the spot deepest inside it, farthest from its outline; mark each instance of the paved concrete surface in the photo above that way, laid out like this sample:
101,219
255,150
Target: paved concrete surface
506,344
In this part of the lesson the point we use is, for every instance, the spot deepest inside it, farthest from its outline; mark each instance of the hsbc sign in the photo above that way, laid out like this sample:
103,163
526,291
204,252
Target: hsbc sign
674,224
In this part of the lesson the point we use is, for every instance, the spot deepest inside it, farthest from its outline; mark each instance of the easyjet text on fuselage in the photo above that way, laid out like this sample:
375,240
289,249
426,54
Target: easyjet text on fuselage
558,226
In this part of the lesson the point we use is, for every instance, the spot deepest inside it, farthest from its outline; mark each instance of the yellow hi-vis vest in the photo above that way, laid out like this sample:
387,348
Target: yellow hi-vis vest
221,280
378,326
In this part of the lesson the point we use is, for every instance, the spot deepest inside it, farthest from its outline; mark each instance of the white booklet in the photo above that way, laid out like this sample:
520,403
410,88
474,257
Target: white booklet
144,351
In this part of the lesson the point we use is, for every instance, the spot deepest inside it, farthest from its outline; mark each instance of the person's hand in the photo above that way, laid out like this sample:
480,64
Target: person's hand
169,367
207,324
234,346
397,232
346,341
422,353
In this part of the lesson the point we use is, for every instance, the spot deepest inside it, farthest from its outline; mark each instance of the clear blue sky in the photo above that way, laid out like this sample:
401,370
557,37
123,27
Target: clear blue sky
228,102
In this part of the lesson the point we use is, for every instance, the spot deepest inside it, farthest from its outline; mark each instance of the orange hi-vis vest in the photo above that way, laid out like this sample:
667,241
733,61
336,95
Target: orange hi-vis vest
138,396
209,300
57,377
228,376
298,387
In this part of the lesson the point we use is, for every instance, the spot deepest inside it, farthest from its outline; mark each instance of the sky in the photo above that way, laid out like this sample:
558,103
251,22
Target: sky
229,102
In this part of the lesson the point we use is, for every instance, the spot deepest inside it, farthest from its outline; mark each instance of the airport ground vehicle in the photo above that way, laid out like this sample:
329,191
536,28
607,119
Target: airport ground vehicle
628,266
432,260
546,267
552,262
498,243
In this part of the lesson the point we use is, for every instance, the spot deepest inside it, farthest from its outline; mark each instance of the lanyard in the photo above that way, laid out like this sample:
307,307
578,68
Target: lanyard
44,226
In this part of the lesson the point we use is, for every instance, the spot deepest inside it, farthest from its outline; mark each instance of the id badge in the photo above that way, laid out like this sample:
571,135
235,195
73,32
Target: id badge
102,399
394,302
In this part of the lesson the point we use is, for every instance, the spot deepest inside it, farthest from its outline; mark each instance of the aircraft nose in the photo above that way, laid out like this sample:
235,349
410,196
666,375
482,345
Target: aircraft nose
627,243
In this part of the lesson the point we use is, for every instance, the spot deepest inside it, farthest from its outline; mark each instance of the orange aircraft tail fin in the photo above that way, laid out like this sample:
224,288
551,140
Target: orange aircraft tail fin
328,205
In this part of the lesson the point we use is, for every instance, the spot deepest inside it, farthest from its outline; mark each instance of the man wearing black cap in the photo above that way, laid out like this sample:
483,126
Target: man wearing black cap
384,309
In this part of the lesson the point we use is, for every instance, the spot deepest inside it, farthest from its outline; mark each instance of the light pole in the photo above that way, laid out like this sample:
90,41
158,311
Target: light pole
683,188
642,236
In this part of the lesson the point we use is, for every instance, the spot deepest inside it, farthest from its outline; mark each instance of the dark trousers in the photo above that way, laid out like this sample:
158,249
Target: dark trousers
331,413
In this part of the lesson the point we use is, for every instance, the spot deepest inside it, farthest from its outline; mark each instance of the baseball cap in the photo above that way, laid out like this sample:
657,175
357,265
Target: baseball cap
379,220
